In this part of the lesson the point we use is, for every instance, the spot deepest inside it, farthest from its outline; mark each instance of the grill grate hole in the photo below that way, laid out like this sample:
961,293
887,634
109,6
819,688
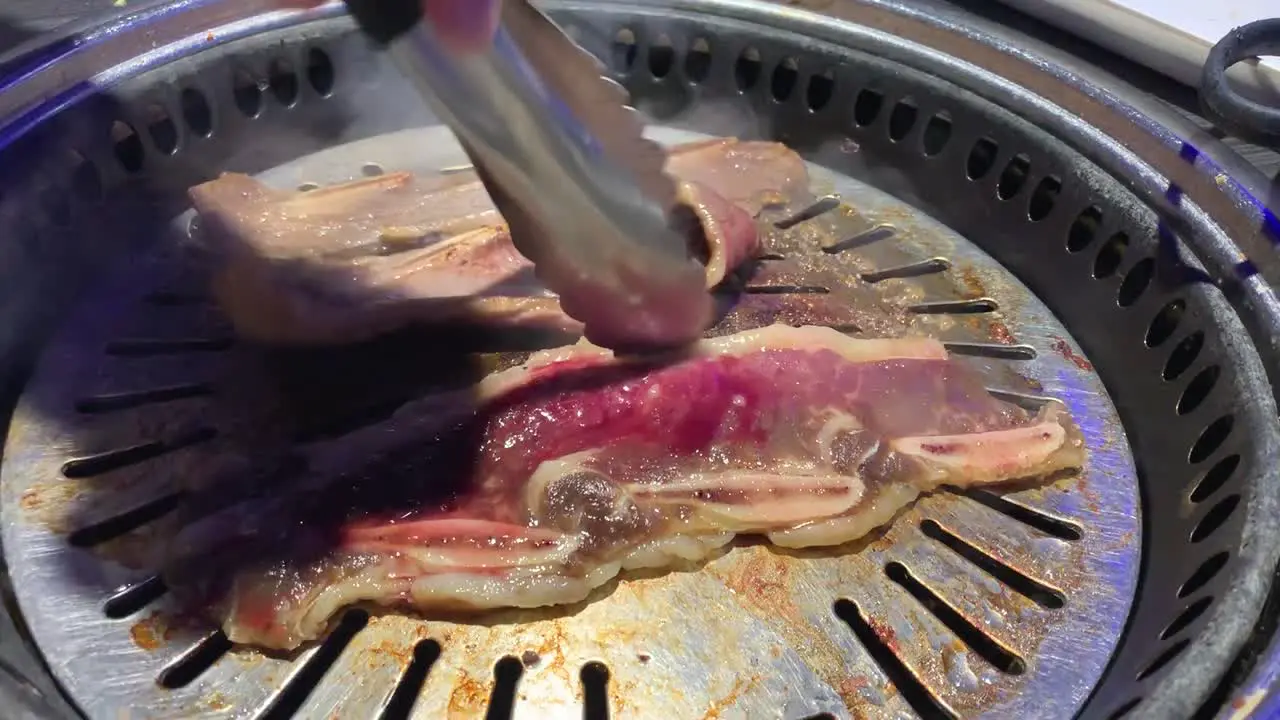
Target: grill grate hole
921,700
1125,709
163,131
1215,518
924,267
1211,439
1014,176
982,157
320,72
1084,229
1047,524
1043,198
371,169
1110,255
1165,323
400,705
1188,616
299,687
283,82
992,350
819,90
866,107
132,598
1207,571
1136,282
746,71
623,50
1037,592
783,81
902,118
937,133
1183,356
506,680
1212,480
595,691
1198,389
127,146
1164,659
697,62
137,398
104,462
662,57
196,112
955,307
148,347
246,93
195,661
862,239
822,206
984,645
114,527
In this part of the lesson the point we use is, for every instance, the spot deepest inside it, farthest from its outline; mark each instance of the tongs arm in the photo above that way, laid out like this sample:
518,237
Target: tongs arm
583,192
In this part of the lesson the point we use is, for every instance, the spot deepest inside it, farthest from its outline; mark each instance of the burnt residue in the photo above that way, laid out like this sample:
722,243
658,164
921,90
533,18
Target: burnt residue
1063,348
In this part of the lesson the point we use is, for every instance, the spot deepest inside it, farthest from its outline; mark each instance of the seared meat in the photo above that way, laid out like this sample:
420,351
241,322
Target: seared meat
353,261
544,481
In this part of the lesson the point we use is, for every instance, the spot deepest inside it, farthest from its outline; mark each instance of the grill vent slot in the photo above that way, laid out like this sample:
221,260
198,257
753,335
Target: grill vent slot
320,72
1208,570
595,691
305,679
1214,478
1055,527
903,678
125,522
506,681
132,598
746,71
195,661
128,147
1215,518
783,82
1084,229
984,645
1211,439
105,462
399,705
1034,590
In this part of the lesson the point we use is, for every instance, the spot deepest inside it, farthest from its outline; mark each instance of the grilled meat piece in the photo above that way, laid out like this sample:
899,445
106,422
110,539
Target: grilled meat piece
353,261
544,481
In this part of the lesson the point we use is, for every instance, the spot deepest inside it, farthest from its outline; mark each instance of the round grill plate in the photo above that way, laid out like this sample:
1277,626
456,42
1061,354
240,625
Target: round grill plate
973,604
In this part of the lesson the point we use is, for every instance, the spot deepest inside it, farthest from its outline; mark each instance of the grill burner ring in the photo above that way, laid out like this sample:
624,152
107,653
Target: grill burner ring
999,155
959,607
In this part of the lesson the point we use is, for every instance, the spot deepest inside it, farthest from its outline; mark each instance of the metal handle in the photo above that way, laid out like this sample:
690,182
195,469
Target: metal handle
1240,116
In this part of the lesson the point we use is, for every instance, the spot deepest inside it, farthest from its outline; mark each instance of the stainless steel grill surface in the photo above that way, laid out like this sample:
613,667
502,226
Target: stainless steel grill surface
973,206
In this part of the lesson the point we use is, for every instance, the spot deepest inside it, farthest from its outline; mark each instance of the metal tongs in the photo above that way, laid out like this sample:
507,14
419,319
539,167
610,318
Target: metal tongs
564,160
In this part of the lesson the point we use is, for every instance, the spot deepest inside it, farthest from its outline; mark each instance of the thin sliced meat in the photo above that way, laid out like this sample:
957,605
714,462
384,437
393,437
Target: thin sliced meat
349,262
543,481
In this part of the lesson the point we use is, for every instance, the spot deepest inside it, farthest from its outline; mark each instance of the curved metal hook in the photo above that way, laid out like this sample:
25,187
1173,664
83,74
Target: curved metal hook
1242,117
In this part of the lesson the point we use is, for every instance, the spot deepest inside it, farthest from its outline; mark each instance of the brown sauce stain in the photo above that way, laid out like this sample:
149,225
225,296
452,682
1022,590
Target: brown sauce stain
152,632
1061,347
740,687
761,584
999,332
468,698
